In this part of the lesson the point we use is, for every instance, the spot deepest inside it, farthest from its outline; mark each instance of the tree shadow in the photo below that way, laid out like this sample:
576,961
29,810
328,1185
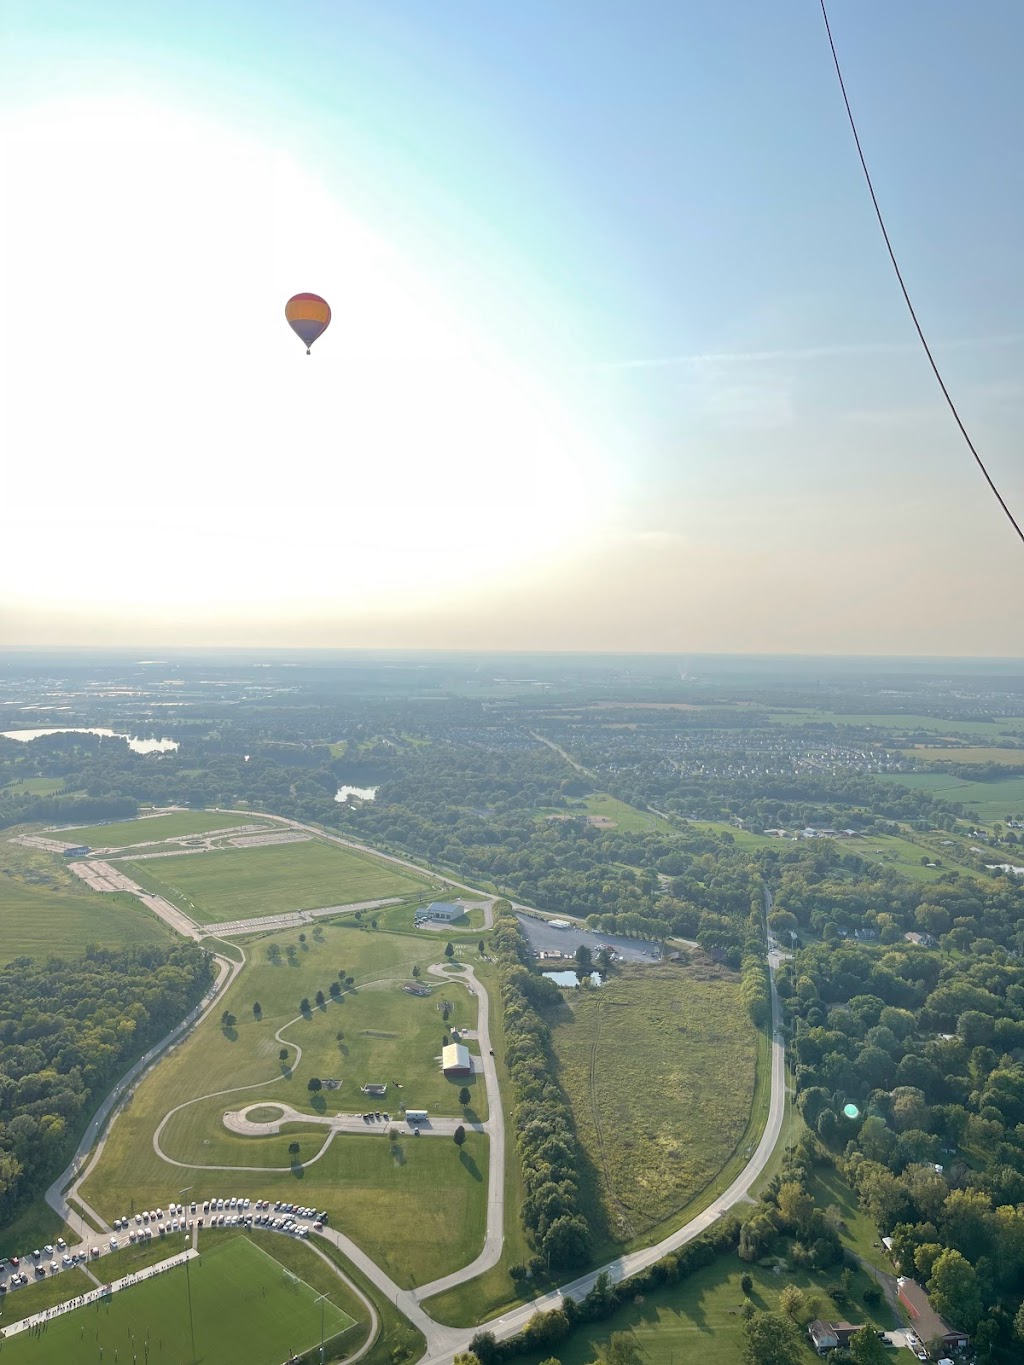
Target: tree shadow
286,1070
231,1034
298,1171
319,1104
470,1165
471,1116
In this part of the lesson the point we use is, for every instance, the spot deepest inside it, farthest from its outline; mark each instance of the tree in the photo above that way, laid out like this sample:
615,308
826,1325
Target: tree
481,947
314,1085
464,1095
302,938
228,1020
293,1149
304,1004
746,1282
866,1349
274,953
282,1056
341,973
584,959
791,1300
257,1011
320,999
460,1135
449,950
770,1339
335,990
954,1291
416,971
318,934
621,1348
446,1013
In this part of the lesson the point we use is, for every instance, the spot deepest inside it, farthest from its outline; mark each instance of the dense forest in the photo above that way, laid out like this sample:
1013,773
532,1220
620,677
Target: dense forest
69,1028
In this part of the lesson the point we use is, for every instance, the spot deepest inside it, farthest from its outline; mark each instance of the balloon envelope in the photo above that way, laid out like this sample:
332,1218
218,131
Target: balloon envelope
851,1111
308,316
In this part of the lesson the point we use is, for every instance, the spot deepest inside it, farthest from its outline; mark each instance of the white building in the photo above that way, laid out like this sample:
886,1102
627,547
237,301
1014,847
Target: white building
444,911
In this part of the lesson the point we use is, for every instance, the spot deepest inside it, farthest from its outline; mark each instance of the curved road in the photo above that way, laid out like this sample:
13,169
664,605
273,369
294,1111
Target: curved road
443,1342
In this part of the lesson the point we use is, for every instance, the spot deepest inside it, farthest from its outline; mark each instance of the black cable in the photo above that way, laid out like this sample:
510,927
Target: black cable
895,265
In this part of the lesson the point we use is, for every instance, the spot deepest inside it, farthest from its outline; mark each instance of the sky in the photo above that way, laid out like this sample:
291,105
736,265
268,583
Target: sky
617,360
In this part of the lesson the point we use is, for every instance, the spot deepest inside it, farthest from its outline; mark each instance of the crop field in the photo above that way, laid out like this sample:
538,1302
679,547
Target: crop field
121,833
989,801
242,883
246,1311
46,910
418,1208
701,1318
1004,728
660,1066
968,754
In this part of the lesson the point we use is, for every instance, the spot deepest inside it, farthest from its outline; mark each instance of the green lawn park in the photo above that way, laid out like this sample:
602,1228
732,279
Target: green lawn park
45,909
418,1210
243,883
246,1311
121,833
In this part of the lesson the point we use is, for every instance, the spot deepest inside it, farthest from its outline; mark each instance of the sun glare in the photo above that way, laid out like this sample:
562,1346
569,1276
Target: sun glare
182,446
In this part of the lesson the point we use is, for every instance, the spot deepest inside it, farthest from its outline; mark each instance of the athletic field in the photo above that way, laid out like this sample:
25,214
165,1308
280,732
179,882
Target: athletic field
247,1310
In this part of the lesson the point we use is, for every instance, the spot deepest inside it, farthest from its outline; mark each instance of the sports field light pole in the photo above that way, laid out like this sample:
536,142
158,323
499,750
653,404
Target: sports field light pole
188,1282
320,1301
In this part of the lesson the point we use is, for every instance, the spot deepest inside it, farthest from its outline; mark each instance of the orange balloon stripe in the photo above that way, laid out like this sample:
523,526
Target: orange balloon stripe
307,308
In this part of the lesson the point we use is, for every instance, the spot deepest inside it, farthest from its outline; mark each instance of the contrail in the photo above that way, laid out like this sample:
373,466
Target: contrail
799,353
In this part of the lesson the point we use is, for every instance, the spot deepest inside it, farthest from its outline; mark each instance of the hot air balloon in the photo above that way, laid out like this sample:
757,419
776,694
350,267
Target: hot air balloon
308,316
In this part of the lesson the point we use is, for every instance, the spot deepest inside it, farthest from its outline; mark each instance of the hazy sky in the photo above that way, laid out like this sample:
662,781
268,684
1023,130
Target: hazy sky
617,359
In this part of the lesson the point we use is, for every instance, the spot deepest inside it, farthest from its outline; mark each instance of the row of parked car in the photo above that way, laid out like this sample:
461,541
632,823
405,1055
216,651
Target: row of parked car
280,1215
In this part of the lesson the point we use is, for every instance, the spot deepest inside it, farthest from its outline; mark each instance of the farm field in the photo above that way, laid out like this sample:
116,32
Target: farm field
660,1067
246,1312
968,754
989,801
121,833
242,883
1005,727
701,1318
46,909
419,1209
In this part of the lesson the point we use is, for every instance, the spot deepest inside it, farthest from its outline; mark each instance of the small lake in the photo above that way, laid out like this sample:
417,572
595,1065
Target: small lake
571,980
360,793
137,745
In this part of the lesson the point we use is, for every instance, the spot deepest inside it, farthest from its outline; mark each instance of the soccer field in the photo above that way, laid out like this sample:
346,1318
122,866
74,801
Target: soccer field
240,883
246,1308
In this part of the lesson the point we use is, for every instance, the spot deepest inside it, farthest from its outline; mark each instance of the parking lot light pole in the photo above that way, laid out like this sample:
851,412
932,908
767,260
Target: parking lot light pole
320,1300
188,1282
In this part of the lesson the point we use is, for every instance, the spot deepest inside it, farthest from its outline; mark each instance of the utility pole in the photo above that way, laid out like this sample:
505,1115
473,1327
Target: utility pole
320,1301
188,1279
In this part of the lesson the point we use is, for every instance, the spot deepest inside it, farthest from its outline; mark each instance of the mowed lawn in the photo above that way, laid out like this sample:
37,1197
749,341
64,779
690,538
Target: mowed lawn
419,1210
702,1319
121,833
246,1311
243,883
44,909
659,1065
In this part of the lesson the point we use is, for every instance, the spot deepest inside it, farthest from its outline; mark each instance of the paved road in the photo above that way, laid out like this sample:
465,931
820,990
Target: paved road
292,919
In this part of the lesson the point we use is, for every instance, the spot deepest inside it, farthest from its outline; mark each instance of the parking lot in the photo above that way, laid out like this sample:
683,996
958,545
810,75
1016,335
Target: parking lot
156,1225
547,940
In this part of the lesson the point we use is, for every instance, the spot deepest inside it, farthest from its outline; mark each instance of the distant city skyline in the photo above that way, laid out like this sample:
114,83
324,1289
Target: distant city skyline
617,362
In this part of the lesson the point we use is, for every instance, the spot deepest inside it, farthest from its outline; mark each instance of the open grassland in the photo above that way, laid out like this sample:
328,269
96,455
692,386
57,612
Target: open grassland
1004,727
246,1312
44,909
418,1209
660,1066
121,833
989,801
42,1294
625,817
968,754
34,786
34,1227
702,1319
242,883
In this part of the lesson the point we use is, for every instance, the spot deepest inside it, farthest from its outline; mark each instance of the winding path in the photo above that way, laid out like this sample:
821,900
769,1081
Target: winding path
443,1342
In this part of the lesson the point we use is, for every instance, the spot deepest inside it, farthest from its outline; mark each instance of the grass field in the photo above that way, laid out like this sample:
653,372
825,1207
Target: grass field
659,1065
121,833
34,786
241,883
1005,727
47,910
701,1318
989,801
626,817
419,1210
246,1311
968,754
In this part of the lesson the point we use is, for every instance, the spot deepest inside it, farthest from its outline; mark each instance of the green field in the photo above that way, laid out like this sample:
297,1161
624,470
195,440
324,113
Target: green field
701,1318
121,833
44,909
242,883
34,786
625,817
1006,727
659,1065
418,1209
246,1311
968,754
989,801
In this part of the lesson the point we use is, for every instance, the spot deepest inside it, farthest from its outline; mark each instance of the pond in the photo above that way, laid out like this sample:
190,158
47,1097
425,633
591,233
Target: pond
571,980
360,793
137,745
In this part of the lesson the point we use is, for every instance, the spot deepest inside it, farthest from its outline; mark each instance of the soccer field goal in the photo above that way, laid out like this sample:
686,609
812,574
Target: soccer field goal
290,1278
